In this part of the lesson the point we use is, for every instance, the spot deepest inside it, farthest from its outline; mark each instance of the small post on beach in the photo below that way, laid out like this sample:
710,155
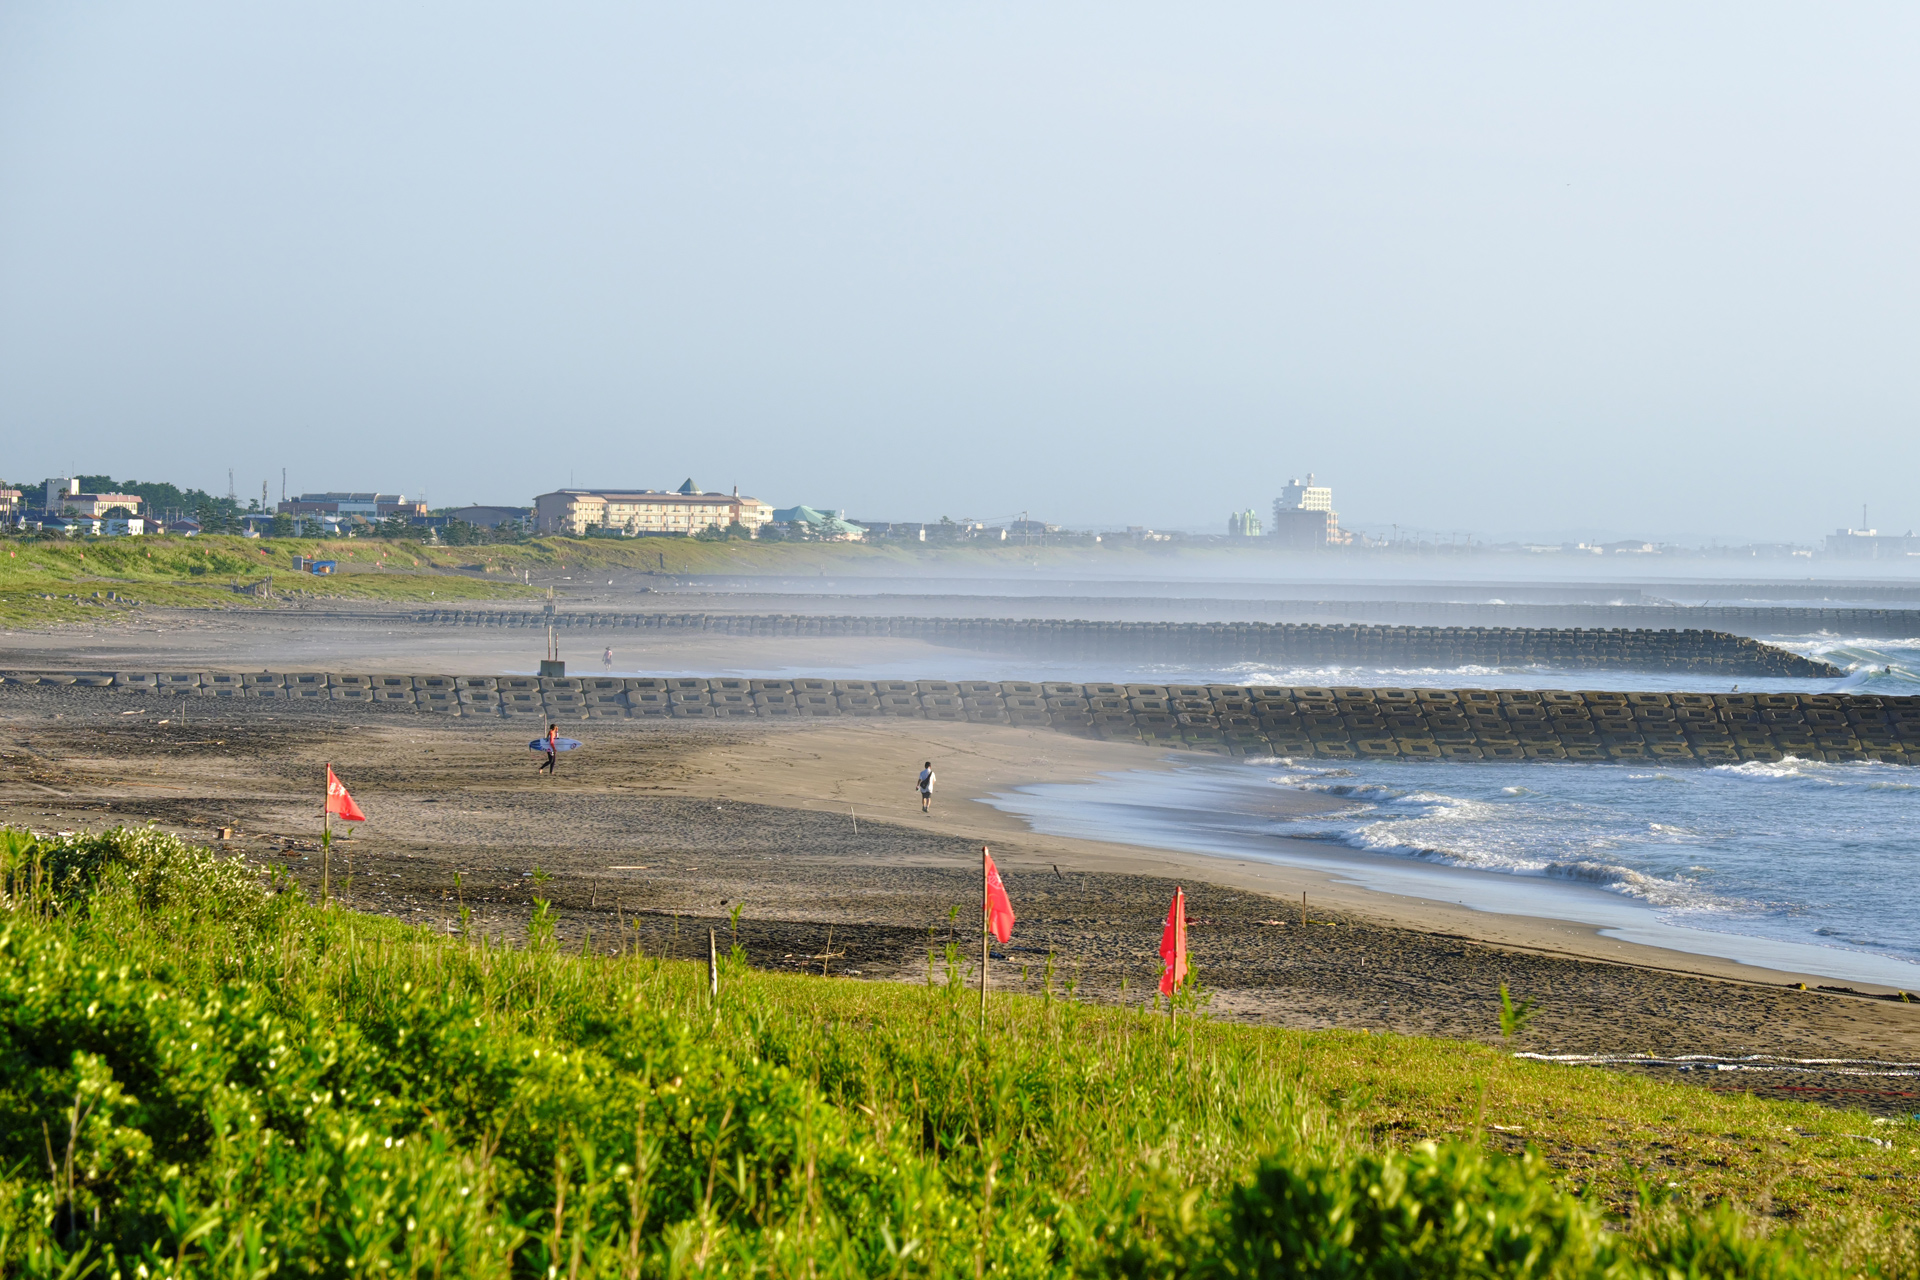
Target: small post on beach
713,968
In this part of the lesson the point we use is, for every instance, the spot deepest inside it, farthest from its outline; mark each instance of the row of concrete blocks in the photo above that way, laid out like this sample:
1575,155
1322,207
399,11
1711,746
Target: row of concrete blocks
1671,753
1692,649
1333,723
1055,695
890,625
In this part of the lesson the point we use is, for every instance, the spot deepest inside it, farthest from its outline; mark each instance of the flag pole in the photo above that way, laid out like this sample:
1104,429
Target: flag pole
326,838
1180,906
986,933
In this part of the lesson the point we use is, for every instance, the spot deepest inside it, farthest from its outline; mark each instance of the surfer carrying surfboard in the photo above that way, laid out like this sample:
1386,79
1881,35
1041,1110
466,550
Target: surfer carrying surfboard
553,750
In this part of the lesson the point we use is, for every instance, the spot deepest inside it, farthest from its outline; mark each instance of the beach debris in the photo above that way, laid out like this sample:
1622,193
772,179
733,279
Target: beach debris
1861,1137
1751,1062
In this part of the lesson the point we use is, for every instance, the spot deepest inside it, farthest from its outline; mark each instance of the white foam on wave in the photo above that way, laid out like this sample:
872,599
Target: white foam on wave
1435,826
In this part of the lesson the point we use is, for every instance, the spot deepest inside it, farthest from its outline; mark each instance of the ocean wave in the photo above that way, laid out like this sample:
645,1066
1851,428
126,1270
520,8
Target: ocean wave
1793,769
1776,850
1654,890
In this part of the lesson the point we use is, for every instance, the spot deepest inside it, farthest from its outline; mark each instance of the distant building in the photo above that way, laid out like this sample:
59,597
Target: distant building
374,506
819,524
637,513
183,528
1870,544
131,527
1298,527
63,498
1303,515
1243,524
491,517
1304,497
915,531
11,507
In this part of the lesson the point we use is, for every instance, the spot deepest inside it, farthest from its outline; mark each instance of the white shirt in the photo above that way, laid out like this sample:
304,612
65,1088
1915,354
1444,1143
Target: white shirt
926,779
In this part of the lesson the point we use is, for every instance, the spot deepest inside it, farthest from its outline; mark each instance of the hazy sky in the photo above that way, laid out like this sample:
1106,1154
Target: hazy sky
1617,269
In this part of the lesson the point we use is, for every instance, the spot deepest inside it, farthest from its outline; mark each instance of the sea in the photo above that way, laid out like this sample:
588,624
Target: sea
1804,866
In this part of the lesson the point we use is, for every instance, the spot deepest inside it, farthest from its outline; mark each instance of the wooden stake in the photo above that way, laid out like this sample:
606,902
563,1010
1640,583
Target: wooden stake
713,968
1303,910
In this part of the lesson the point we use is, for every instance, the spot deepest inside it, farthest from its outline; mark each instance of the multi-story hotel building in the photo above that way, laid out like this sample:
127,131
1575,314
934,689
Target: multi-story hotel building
646,512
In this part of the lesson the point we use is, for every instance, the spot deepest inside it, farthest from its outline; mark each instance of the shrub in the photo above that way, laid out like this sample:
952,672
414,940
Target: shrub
1434,1210
158,869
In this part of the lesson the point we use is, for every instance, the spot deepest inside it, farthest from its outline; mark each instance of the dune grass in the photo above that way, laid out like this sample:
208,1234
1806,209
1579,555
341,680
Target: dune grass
45,582
199,1076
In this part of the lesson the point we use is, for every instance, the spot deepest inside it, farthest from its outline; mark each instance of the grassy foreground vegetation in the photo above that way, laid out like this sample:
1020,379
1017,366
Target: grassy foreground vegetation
203,1076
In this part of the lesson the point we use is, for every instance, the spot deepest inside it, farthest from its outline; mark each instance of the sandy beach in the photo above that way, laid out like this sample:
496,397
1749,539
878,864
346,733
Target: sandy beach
654,832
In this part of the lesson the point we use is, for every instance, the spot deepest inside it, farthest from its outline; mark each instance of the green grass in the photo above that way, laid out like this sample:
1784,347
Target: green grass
199,572
199,1077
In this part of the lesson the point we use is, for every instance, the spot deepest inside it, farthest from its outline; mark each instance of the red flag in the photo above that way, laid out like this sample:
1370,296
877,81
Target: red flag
1173,944
999,910
339,803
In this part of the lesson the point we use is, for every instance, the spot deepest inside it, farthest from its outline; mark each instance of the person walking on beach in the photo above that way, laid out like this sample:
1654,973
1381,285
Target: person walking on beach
606,659
926,787
553,750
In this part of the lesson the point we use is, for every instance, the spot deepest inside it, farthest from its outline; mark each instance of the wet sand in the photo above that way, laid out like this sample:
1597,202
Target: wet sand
656,830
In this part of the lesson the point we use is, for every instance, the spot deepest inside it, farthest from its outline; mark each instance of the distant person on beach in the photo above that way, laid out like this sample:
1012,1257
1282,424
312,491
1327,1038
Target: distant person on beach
926,787
606,659
553,750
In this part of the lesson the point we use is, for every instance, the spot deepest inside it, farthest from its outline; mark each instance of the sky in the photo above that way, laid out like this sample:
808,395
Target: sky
1520,270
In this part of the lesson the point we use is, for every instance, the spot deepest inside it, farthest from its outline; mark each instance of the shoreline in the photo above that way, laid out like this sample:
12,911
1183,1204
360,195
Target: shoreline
656,830
864,767
1517,908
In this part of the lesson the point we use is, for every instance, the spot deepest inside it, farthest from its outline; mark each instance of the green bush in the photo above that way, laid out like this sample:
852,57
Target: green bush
1430,1211
159,870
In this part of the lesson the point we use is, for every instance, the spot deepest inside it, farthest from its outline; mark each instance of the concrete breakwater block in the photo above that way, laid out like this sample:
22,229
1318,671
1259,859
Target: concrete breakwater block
1717,653
1342,723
